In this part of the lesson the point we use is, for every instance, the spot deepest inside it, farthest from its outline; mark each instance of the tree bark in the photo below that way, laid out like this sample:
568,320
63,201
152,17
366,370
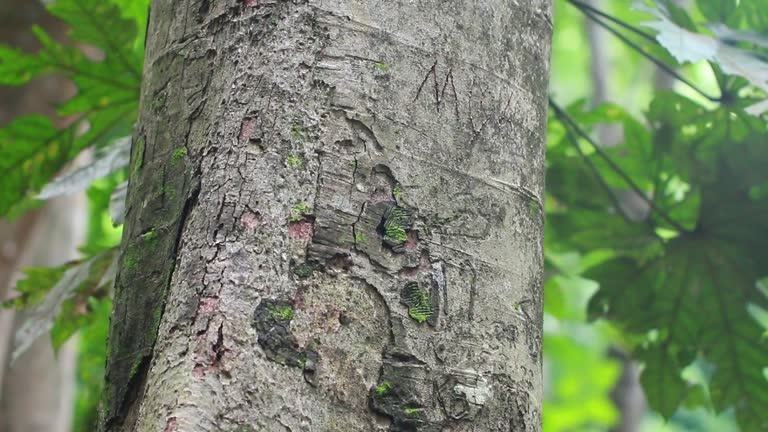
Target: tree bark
334,219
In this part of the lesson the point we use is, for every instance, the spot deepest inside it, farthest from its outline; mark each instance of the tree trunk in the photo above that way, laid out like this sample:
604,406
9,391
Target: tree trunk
334,219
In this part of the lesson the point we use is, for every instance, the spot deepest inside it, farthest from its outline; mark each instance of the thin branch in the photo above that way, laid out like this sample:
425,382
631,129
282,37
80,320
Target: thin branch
584,8
659,63
561,114
595,171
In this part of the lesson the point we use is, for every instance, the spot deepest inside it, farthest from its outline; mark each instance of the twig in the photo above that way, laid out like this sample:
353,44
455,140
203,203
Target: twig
563,116
594,15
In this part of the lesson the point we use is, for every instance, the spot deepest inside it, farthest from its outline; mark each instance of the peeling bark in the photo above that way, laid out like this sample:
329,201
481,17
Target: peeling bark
335,219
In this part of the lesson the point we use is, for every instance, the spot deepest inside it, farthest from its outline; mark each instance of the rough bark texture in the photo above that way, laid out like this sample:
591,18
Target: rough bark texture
335,219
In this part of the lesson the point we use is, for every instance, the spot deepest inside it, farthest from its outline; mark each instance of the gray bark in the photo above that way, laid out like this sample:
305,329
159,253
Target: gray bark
334,219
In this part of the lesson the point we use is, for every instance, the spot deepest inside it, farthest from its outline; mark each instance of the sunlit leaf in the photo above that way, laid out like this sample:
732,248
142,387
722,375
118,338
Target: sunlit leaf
689,46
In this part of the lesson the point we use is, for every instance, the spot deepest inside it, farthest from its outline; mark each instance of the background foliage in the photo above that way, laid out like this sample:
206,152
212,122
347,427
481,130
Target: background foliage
676,286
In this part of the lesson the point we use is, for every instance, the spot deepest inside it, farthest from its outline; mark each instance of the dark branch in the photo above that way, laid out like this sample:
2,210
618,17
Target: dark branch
569,121
595,15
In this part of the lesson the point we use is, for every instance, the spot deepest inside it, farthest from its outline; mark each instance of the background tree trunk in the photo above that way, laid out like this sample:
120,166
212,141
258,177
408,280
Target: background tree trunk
335,219
37,391
38,388
627,394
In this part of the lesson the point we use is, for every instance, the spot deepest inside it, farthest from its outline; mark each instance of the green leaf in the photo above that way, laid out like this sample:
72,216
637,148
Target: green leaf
661,378
90,364
101,24
32,150
64,307
689,46
696,296
17,68
35,286
717,10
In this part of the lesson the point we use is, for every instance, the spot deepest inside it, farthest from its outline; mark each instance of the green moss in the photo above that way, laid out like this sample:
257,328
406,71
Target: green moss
168,191
138,158
159,103
397,192
135,366
297,132
157,315
395,225
382,67
129,262
178,155
383,388
281,312
533,207
417,299
303,271
360,237
413,411
294,161
150,238
396,234
298,211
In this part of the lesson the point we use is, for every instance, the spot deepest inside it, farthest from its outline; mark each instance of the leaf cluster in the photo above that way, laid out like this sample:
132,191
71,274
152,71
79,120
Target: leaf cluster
680,208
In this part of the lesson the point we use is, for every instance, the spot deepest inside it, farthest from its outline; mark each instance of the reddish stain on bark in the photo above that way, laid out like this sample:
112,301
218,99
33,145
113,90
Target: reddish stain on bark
207,305
302,229
412,272
198,371
211,353
412,242
251,220
251,3
247,128
298,299
171,424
